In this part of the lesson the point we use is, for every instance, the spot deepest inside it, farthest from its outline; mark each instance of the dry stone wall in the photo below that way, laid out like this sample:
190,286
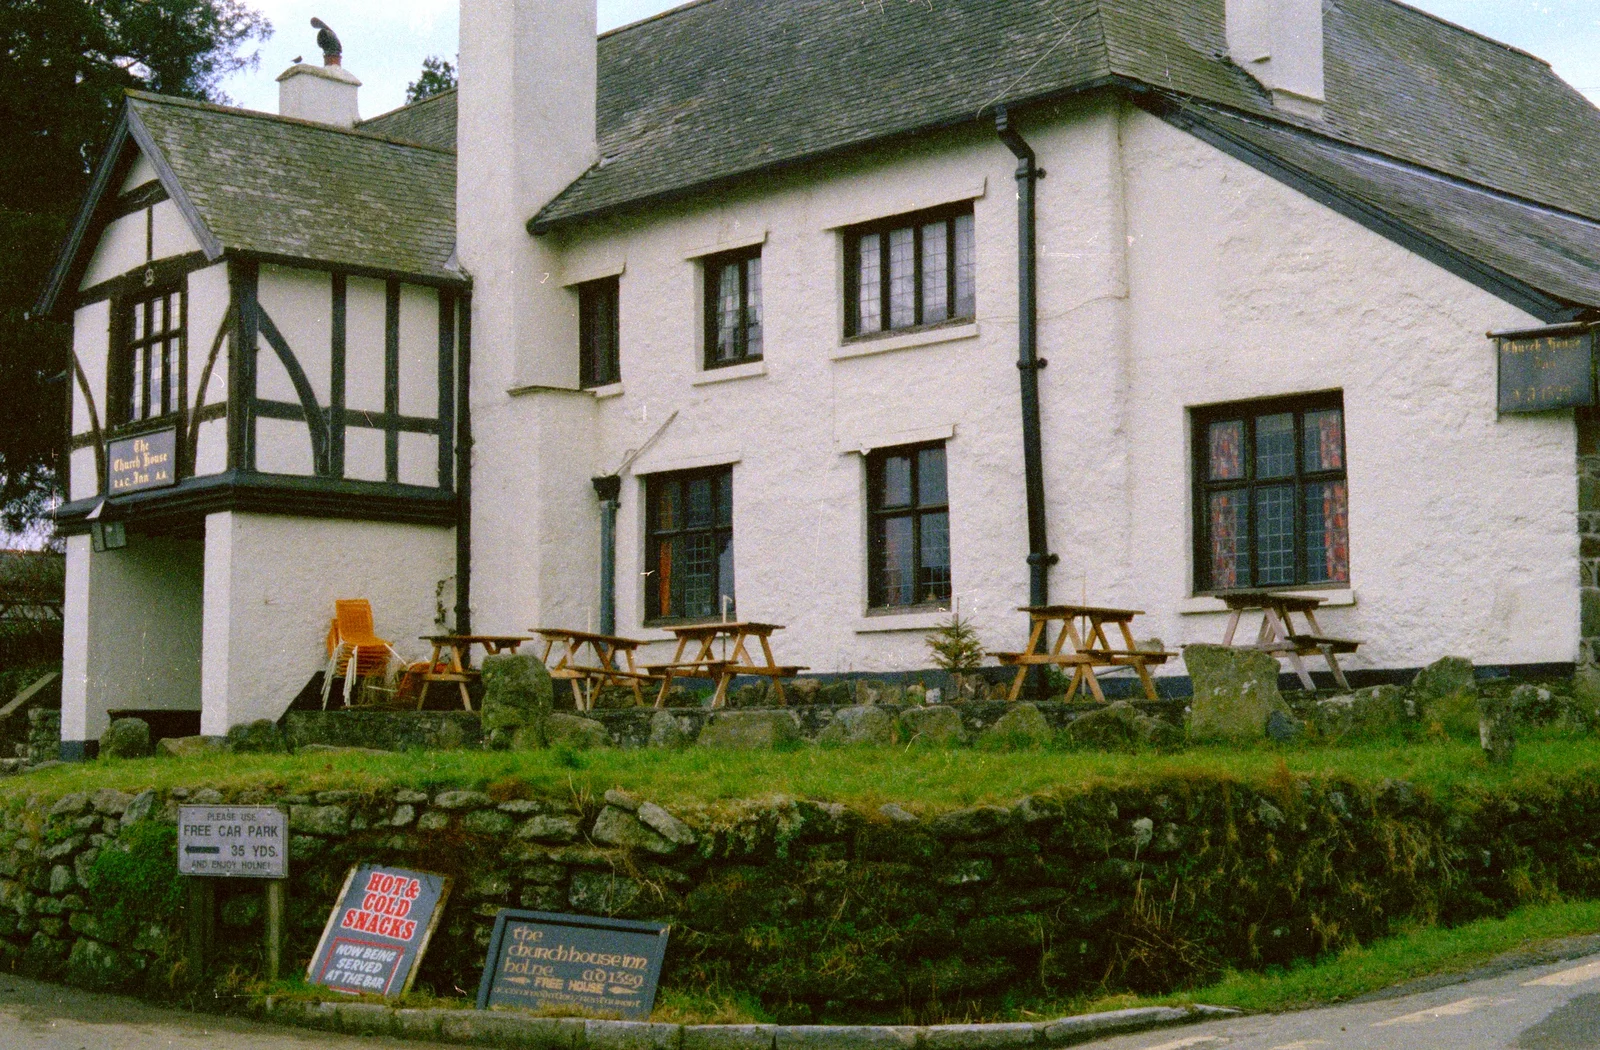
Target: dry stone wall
822,912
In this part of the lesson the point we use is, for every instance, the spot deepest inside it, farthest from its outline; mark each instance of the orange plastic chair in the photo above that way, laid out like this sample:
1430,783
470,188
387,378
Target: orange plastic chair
354,648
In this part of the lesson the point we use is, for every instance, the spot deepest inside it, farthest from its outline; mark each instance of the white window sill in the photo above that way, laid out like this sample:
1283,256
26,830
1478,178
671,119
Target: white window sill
884,344
889,622
729,373
605,393
1204,603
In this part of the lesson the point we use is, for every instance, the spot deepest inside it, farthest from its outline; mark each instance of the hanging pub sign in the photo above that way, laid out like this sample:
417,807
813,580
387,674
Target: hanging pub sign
149,461
1546,368
538,960
375,938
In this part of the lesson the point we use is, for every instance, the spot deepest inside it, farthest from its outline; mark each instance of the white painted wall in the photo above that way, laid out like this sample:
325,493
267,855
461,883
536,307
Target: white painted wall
1170,276
132,631
300,303
91,334
270,585
122,248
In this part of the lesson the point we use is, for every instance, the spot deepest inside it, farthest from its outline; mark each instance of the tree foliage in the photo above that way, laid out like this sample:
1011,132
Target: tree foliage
438,75
64,65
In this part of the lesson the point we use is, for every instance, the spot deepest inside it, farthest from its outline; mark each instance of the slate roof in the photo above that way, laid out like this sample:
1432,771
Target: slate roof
431,122
723,88
281,187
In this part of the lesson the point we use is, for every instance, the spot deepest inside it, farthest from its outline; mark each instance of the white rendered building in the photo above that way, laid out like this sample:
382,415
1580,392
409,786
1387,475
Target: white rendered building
755,269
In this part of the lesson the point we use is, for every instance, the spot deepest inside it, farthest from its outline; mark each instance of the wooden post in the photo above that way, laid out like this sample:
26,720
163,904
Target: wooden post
202,923
277,891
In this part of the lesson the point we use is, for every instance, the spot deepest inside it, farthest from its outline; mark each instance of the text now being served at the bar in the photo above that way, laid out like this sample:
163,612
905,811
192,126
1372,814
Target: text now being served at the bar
378,931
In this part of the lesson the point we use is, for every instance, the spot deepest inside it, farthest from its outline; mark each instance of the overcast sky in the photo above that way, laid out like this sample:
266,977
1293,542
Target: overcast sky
384,43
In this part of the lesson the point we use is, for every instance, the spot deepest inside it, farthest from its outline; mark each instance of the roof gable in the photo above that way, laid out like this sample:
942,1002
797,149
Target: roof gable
281,188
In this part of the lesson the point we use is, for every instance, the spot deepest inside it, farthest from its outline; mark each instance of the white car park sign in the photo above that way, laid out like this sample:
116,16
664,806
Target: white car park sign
250,842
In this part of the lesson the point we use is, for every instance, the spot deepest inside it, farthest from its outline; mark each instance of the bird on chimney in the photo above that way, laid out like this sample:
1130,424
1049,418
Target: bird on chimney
328,41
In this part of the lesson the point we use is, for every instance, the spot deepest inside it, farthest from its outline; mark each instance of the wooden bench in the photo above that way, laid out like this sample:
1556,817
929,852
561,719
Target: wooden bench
1278,636
1089,648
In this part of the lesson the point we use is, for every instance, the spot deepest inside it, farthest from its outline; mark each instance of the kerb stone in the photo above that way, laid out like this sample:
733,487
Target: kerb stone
728,1036
979,1036
845,1037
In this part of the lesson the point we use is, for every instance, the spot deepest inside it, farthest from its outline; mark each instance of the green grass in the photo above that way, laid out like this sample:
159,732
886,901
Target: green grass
1383,964
928,780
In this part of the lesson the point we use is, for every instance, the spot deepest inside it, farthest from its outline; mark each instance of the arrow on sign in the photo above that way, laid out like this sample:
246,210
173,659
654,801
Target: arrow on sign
202,849
517,980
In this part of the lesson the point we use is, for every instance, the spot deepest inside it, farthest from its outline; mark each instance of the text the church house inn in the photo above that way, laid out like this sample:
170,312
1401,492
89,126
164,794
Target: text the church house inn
765,277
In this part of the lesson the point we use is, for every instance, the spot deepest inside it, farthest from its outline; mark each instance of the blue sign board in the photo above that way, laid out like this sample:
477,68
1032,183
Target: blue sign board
1543,371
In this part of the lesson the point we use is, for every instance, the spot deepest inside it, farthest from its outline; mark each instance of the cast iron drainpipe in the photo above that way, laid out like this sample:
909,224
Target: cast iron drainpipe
609,489
1028,360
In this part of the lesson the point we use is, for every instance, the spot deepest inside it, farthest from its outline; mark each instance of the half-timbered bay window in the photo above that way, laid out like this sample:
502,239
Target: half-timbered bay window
146,353
910,271
733,308
689,520
599,339
1271,500
909,527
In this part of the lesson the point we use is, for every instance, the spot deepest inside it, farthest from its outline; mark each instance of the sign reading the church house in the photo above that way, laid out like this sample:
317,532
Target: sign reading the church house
538,960
378,931
149,461
1546,369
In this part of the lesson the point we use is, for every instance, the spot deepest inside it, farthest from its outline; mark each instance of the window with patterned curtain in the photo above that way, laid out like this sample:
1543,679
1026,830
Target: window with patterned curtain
689,549
1271,496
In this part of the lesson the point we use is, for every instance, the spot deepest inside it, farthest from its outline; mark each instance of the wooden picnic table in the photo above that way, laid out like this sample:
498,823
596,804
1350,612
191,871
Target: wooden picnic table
459,662
734,661
599,671
1278,636
1090,647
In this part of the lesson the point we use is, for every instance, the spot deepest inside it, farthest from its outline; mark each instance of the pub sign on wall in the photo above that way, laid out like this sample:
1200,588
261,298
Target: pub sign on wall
1545,368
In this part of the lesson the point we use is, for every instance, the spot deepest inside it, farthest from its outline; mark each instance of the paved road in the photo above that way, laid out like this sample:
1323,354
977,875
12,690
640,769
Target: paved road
36,1016
1551,1007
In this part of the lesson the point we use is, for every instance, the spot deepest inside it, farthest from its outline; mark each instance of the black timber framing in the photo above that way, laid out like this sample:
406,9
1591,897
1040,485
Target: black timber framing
194,498
159,272
447,393
138,199
310,411
463,477
336,374
391,377
244,276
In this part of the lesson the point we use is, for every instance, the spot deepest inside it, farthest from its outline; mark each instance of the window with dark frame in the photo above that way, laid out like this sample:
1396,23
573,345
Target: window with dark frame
146,357
909,527
689,550
733,308
599,337
1271,498
910,271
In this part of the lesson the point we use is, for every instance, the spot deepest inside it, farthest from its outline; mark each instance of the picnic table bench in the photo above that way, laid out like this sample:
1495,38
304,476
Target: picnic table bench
599,671
1090,647
1278,636
735,659
458,663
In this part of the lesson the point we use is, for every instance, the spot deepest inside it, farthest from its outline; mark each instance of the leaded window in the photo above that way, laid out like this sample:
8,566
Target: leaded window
147,356
910,271
599,340
1271,497
733,309
909,527
690,547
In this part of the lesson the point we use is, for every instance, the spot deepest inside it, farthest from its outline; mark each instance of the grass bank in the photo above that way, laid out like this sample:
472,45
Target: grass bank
919,779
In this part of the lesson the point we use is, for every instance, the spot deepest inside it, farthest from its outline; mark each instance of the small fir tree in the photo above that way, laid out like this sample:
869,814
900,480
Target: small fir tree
956,647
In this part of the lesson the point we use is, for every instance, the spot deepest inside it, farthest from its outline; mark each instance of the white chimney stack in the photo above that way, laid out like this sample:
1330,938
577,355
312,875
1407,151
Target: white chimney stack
1279,42
325,94
526,130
